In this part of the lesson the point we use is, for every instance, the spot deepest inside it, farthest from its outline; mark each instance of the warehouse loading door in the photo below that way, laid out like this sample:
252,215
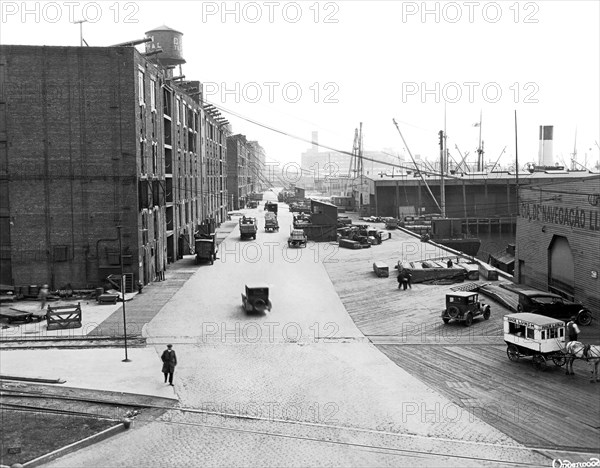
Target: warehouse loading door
561,268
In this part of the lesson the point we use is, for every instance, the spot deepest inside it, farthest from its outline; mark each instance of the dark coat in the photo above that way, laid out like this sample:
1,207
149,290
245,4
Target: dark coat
169,359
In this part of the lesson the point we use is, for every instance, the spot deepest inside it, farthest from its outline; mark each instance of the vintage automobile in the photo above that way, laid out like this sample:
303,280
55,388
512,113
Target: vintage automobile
271,223
391,223
464,306
256,298
552,305
271,206
252,204
248,228
542,338
297,238
206,249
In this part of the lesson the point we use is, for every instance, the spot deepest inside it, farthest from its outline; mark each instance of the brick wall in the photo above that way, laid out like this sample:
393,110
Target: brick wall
570,210
71,160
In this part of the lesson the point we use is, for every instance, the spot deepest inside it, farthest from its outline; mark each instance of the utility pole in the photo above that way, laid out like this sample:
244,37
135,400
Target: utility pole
415,164
123,293
359,167
80,22
442,166
517,164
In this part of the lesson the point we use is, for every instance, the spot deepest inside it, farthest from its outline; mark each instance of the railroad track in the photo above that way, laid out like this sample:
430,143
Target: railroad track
404,445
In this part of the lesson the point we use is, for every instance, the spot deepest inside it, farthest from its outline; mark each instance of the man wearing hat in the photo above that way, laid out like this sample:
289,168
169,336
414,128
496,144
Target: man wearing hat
572,329
169,360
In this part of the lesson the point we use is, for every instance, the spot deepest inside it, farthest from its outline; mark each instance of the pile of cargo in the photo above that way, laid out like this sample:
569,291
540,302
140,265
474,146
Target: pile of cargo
359,236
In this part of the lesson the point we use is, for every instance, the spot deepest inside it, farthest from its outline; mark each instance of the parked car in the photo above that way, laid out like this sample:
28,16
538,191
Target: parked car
206,249
256,298
552,305
464,306
297,238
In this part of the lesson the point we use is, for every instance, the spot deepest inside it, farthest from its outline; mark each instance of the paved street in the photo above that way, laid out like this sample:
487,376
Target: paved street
304,386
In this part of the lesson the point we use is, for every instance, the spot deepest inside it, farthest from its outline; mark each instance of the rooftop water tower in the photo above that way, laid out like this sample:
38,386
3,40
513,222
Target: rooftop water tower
170,41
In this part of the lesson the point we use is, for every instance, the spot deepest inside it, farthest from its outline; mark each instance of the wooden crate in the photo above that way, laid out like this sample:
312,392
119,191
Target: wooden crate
63,317
381,269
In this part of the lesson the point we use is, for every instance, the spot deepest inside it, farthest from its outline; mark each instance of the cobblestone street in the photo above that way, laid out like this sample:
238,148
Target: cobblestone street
300,386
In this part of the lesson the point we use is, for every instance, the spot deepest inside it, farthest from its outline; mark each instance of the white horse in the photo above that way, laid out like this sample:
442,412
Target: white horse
577,350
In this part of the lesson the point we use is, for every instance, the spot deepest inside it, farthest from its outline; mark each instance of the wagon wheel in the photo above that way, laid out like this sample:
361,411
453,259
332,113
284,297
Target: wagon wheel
539,362
486,313
446,320
468,319
512,352
453,311
559,359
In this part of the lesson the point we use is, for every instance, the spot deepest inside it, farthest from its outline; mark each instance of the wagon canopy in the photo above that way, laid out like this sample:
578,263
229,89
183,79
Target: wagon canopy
533,319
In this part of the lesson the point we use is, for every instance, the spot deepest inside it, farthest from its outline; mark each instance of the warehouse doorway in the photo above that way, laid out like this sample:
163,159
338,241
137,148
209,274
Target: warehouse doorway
561,268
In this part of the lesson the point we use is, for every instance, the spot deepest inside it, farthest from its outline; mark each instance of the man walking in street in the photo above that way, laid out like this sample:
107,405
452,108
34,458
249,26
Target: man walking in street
169,360
400,278
572,329
43,296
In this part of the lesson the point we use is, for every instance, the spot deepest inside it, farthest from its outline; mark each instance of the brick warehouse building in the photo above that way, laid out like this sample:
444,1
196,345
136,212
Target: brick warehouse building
242,170
558,239
92,138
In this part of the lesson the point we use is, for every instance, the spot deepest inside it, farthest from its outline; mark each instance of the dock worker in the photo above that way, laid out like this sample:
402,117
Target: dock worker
572,329
449,263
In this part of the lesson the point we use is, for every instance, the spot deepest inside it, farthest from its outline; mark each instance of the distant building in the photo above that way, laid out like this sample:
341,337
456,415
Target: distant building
331,171
240,164
92,138
258,168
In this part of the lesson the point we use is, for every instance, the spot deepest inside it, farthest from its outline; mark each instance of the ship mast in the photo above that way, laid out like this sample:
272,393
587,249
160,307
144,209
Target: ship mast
480,147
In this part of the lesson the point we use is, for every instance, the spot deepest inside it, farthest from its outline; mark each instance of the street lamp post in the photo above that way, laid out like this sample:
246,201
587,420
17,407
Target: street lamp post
123,293
80,22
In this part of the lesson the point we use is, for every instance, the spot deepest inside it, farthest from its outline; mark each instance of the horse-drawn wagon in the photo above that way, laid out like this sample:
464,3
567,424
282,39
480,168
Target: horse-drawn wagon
536,336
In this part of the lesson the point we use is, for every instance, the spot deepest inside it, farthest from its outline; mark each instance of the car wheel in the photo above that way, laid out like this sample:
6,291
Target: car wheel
468,319
486,313
584,318
453,311
446,320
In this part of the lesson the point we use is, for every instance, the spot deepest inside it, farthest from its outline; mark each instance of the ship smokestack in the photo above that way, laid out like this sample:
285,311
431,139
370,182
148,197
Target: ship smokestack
315,141
545,149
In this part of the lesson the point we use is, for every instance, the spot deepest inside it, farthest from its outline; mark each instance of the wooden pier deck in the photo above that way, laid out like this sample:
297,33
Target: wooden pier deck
545,409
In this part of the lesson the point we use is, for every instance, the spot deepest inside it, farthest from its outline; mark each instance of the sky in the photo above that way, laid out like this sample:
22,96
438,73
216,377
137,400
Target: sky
307,66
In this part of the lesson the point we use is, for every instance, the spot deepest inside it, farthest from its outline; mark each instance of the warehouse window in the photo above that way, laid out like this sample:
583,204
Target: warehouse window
60,253
153,95
141,88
